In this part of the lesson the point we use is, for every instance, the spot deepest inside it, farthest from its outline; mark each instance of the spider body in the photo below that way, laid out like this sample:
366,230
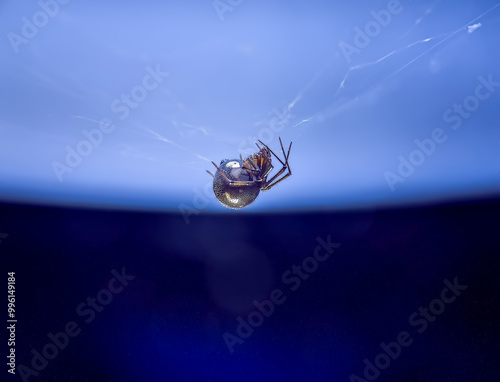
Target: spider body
238,182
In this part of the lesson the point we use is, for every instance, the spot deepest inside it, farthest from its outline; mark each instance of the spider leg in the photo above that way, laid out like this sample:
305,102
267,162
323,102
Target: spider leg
272,152
255,166
244,166
221,172
268,185
271,167
210,173
289,148
274,180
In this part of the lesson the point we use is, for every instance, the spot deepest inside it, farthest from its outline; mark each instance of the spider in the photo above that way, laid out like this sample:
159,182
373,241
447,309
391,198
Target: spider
237,182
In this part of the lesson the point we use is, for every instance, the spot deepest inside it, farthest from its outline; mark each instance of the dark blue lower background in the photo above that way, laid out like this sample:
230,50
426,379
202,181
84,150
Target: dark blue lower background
193,281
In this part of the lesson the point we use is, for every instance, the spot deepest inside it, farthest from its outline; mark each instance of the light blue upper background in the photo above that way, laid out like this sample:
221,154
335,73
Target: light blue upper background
352,84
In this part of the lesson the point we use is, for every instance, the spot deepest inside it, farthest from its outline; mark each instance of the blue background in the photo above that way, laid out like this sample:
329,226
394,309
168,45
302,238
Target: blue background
350,105
193,283
354,85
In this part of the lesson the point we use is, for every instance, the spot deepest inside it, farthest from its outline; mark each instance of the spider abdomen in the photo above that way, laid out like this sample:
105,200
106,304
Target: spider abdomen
233,196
